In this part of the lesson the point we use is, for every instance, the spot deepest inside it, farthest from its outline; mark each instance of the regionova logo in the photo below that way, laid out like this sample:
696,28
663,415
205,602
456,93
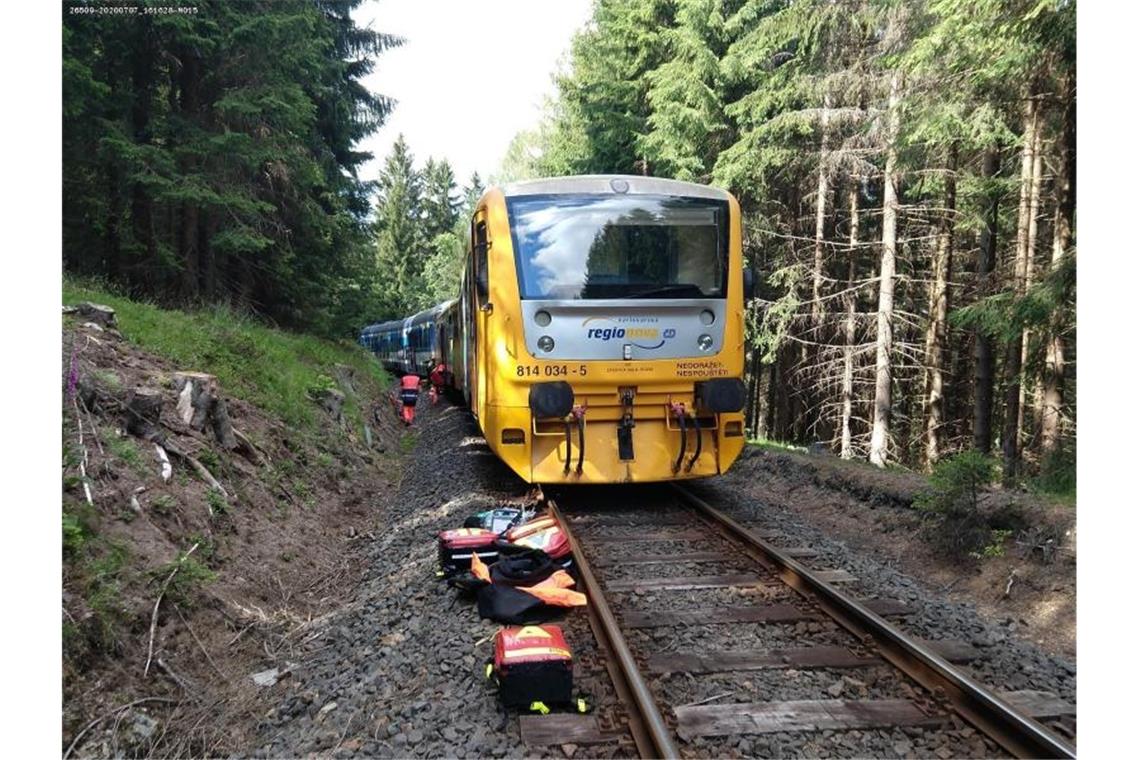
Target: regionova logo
631,329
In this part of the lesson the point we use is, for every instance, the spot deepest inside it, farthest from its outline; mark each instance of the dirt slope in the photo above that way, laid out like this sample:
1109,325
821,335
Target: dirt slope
871,510
284,549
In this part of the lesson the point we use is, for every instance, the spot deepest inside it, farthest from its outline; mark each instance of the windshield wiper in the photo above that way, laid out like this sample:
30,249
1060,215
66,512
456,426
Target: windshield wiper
681,290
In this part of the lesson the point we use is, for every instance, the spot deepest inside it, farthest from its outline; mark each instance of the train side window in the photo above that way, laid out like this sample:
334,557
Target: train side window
481,246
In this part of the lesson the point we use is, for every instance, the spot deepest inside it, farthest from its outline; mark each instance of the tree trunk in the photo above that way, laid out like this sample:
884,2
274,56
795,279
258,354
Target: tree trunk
939,307
1053,379
142,75
983,343
188,81
848,382
1011,448
820,225
880,429
209,266
1030,268
114,251
770,421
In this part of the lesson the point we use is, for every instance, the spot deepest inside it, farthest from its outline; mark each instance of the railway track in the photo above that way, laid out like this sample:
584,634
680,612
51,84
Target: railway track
764,625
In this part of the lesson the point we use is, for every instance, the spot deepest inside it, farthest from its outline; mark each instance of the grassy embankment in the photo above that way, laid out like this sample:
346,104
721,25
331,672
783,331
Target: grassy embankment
272,369
111,565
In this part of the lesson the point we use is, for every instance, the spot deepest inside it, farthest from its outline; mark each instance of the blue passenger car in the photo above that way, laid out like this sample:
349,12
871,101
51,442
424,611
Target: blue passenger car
408,345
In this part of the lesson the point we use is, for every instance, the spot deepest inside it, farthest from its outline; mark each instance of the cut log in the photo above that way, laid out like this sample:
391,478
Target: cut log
200,403
198,468
101,315
247,449
143,410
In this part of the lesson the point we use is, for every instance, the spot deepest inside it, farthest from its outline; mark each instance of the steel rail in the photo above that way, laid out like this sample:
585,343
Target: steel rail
650,733
1019,734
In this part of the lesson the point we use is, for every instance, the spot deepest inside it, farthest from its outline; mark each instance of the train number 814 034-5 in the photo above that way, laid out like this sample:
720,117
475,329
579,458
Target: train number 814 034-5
549,370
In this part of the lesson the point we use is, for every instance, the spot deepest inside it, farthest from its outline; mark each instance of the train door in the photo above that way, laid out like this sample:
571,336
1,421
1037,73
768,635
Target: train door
480,244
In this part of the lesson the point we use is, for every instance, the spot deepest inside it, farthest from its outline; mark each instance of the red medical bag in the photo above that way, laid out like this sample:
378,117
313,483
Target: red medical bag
533,664
456,546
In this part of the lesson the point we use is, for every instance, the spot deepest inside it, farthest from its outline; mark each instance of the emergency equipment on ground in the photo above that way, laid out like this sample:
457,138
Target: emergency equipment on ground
541,533
497,520
533,667
457,546
518,605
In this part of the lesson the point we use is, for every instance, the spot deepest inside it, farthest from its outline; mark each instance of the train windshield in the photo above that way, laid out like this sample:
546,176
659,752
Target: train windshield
625,246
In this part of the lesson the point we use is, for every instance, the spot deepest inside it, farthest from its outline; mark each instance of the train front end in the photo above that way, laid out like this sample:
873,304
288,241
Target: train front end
620,356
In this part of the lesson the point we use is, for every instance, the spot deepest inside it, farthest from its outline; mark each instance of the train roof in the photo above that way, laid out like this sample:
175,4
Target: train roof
605,183
418,317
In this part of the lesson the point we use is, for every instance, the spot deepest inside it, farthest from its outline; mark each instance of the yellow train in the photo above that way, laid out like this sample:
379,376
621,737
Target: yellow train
598,336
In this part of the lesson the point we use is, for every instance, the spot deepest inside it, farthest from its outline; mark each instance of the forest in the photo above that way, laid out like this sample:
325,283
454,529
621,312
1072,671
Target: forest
200,170
907,175
906,171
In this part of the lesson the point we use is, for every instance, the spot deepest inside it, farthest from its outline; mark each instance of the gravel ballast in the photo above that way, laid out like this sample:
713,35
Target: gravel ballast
399,671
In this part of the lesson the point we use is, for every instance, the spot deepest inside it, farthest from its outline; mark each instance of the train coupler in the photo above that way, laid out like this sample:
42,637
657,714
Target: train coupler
579,414
625,426
677,409
696,454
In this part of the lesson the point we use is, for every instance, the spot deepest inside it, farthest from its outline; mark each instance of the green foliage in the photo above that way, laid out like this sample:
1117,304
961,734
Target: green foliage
217,501
1004,316
209,457
126,450
198,168
776,446
420,229
75,534
93,568
1058,476
185,584
952,501
270,368
407,443
163,504
107,379
996,546
957,482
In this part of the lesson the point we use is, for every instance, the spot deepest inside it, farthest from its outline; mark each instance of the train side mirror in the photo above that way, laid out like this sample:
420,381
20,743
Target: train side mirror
749,284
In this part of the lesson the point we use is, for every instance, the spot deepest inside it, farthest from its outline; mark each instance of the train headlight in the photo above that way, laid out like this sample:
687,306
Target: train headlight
546,343
707,317
542,318
705,342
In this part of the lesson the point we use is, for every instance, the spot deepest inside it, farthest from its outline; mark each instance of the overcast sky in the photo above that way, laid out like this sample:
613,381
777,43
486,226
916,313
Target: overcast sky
469,76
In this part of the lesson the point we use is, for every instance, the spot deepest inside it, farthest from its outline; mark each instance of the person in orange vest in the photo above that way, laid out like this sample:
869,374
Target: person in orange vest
409,395
438,377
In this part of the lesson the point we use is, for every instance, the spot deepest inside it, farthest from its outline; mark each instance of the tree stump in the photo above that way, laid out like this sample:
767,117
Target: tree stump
143,410
200,404
97,313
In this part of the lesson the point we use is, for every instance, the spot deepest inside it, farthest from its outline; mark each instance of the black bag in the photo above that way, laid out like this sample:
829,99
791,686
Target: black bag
466,583
506,604
525,569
